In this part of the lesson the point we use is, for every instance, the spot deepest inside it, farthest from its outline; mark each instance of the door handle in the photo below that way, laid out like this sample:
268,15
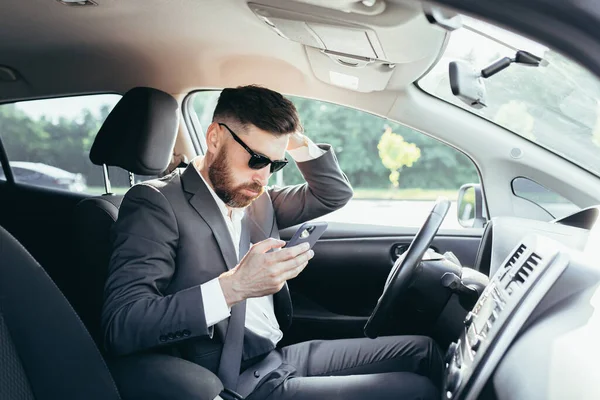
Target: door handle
400,248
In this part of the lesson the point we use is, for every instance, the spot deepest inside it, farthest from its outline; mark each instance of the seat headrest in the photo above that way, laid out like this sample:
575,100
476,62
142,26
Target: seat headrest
139,133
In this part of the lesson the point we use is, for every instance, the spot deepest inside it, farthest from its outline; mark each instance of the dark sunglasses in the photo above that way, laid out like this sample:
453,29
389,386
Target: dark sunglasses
258,161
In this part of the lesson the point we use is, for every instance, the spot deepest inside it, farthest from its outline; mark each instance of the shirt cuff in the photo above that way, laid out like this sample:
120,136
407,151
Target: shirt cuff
306,153
213,299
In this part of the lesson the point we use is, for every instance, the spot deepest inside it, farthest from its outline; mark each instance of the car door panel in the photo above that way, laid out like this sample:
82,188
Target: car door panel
335,294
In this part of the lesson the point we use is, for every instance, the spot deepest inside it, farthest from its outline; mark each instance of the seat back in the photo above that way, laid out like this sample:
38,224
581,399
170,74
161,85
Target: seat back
92,222
138,136
45,350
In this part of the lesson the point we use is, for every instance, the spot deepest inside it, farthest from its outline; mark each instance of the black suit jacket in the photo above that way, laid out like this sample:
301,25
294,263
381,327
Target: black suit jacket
170,238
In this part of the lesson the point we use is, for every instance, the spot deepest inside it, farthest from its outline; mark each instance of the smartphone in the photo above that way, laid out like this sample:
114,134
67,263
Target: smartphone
309,232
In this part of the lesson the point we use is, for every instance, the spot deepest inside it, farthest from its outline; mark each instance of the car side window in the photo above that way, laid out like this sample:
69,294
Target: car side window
396,172
48,143
553,203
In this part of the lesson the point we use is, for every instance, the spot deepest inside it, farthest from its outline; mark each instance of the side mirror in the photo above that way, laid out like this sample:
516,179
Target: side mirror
467,84
470,207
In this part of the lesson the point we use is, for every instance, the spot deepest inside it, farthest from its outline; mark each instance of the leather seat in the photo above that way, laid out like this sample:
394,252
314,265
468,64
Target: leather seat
137,136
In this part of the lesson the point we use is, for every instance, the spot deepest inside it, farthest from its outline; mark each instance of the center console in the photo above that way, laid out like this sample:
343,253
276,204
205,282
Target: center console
512,295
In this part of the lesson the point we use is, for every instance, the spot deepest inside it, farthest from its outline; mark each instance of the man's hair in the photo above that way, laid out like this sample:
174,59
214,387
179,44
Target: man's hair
261,107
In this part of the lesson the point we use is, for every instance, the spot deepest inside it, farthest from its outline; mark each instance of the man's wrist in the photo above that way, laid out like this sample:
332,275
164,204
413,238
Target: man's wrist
297,140
310,152
231,294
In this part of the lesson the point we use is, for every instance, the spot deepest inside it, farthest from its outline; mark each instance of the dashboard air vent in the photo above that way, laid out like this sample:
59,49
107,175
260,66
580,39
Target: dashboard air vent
512,260
516,256
527,268
520,276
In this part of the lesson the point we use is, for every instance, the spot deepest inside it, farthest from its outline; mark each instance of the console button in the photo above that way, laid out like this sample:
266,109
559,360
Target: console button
469,319
476,343
452,381
450,353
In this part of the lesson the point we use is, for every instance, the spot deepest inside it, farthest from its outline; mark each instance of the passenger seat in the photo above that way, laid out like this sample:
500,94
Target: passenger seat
46,352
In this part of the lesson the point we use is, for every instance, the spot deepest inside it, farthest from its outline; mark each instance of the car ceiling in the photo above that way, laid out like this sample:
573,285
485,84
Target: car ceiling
181,45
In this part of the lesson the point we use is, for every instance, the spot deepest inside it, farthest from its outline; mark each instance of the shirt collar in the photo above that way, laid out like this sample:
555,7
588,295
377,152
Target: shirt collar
236,213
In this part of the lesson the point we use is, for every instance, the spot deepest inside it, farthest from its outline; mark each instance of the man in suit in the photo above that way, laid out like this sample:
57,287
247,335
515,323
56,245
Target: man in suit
198,269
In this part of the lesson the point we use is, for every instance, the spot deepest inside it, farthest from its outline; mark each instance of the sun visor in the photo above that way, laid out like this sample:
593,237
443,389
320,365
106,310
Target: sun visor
321,33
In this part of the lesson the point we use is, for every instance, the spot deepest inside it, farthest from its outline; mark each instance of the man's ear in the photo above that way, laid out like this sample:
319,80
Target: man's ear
213,138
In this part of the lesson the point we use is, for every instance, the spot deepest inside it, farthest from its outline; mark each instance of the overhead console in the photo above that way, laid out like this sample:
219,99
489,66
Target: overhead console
322,33
359,45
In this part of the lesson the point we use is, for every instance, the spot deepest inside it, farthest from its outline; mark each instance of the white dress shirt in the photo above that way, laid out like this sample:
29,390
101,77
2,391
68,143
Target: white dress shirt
260,313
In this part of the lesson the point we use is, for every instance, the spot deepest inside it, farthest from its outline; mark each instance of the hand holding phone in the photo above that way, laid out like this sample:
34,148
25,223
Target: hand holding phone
309,232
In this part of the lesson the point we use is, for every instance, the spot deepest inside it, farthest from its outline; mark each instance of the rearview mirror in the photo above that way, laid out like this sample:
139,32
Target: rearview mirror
467,84
466,81
470,208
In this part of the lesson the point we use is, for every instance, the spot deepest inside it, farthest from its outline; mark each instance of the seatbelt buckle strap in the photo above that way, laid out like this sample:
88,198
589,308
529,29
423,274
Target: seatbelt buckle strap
228,394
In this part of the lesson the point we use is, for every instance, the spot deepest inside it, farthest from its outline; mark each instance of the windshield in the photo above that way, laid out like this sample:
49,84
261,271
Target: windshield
556,106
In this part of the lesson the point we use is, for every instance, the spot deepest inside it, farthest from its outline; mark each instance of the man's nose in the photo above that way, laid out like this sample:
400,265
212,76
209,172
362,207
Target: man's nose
262,175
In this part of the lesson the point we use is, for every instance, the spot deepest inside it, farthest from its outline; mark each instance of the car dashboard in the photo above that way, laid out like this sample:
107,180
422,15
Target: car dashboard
535,331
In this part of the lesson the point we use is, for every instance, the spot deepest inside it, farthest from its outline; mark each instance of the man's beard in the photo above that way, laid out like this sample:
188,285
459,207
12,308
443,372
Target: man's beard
221,178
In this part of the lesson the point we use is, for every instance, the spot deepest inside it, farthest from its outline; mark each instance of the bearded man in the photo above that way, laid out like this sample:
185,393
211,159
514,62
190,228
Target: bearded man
198,270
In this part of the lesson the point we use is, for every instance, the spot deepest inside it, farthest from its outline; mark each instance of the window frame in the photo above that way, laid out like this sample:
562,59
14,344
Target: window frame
9,178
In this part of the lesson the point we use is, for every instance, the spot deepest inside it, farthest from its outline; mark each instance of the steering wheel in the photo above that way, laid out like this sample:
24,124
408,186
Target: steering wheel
405,267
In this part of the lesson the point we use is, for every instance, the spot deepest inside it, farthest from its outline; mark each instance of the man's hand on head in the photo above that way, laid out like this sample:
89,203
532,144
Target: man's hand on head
261,273
297,140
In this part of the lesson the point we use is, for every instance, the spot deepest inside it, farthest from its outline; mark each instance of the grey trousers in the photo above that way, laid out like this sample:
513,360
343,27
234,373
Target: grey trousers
393,367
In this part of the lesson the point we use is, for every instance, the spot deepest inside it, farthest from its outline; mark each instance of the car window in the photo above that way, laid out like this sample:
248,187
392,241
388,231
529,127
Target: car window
48,143
553,203
397,173
24,174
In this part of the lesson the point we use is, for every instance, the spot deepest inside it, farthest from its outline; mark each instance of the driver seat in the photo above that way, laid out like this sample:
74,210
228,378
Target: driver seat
137,136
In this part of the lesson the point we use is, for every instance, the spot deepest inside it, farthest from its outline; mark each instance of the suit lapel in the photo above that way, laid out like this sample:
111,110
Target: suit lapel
203,202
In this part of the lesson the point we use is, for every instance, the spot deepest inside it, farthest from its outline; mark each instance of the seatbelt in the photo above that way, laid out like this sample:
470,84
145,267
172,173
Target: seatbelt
233,346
